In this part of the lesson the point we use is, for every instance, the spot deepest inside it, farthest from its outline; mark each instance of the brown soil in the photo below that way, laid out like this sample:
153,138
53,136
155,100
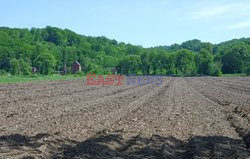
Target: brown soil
205,117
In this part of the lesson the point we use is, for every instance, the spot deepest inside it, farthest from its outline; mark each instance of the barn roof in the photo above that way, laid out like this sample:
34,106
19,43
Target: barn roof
77,63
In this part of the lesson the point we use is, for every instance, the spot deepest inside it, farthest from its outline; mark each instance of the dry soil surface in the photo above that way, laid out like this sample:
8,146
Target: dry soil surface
203,117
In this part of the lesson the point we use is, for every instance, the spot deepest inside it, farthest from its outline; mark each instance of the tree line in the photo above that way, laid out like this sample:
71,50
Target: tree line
50,49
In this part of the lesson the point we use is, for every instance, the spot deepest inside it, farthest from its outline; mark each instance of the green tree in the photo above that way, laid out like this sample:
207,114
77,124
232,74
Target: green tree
185,62
45,62
215,69
168,62
193,45
154,61
129,65
54,35
14,67
145,63
24,67
235,59
203,62
207,46
247,70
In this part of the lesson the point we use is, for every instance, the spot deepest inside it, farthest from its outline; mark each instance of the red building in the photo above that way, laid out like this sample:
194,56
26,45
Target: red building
76,67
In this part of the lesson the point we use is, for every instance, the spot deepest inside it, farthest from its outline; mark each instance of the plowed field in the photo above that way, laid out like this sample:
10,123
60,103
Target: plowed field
203,117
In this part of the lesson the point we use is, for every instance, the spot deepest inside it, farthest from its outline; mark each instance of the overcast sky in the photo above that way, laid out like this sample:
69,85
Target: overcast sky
140,22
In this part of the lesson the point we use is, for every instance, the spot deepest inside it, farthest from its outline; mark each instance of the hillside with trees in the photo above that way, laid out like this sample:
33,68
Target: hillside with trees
50,49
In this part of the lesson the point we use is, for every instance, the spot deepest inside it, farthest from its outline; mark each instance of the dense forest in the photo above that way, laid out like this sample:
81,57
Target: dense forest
51,49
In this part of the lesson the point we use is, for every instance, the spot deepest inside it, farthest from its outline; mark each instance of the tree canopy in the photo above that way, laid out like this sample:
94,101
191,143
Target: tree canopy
50,49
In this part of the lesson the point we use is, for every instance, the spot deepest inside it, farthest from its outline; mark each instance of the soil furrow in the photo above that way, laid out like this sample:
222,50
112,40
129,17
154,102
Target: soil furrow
204,117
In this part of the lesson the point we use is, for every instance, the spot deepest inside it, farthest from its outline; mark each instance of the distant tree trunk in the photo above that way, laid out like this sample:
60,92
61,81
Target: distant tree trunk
64,63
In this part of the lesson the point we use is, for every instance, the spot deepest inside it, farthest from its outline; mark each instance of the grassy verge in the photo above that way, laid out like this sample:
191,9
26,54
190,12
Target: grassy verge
20,79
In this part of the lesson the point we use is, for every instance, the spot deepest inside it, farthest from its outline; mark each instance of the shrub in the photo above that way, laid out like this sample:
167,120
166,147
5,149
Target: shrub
215,70
247,70
3,72
107,72
80,73
14,67
24,67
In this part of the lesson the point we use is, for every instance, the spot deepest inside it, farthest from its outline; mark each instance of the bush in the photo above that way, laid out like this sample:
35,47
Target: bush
80,73
107,72
215,70
24,67
93,68
3,72
247,70
14,67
